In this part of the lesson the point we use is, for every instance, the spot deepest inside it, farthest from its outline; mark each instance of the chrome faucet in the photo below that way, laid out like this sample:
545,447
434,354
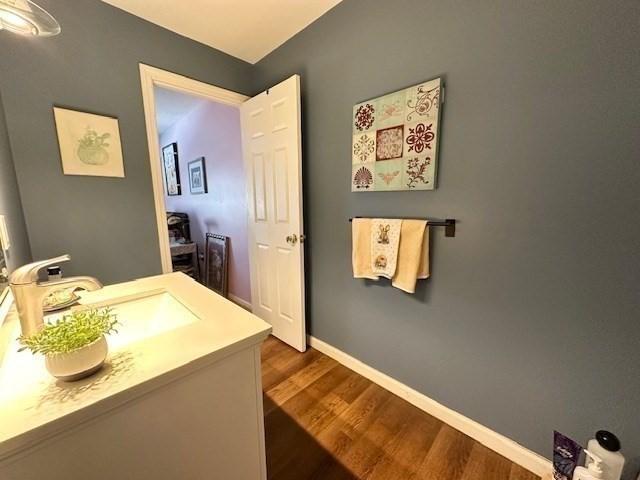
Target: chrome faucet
29,293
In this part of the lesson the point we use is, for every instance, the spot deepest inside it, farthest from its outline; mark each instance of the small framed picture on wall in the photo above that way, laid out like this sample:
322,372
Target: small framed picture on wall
89,143
171,169
197,176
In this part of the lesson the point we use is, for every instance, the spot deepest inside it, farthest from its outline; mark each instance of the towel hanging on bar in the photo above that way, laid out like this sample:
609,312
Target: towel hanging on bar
361,249
411,254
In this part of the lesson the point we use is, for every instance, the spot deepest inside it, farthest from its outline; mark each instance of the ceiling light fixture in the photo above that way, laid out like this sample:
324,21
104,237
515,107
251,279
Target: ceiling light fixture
26,18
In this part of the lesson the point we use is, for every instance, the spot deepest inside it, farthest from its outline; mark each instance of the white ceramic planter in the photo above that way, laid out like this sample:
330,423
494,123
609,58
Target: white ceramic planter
79,363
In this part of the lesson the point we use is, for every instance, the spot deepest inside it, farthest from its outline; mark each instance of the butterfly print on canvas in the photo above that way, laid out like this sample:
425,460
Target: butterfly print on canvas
389,110
388,177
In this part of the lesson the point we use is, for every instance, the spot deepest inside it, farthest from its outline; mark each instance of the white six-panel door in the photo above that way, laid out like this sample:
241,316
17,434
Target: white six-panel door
271,138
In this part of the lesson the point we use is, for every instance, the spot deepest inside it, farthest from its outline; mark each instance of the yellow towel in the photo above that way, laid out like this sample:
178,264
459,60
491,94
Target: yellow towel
361,249
413,255
424,271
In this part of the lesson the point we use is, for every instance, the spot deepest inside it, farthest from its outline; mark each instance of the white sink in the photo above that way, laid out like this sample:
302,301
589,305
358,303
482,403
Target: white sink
143,315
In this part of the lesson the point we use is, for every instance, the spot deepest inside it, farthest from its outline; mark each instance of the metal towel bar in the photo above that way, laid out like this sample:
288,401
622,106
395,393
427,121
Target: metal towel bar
449,225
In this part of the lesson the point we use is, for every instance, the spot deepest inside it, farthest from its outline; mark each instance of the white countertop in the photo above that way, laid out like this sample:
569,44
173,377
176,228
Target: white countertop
34,406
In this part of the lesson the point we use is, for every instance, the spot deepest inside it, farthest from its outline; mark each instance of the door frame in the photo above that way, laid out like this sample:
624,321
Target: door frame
151,77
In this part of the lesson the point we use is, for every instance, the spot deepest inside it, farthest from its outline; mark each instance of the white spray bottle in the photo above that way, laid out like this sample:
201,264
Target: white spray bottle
607,446
592,472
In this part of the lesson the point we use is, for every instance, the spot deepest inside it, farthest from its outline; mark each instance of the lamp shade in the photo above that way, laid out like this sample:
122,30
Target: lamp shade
26,18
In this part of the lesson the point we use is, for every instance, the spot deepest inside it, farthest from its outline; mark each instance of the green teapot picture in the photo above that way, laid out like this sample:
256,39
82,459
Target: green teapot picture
92,148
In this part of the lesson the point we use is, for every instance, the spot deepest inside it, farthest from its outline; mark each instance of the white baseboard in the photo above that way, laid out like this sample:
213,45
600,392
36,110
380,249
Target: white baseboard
241,302
487,437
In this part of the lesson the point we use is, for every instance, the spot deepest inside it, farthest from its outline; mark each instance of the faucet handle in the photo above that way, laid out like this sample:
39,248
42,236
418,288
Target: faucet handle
29,273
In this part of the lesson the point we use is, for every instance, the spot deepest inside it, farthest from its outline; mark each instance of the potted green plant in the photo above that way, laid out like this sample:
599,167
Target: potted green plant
73,346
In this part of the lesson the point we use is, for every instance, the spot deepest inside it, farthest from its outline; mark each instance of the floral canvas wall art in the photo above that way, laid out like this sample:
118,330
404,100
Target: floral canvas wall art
395,140
89,143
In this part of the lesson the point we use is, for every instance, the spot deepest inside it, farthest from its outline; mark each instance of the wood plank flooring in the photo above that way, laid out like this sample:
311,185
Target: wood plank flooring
324,421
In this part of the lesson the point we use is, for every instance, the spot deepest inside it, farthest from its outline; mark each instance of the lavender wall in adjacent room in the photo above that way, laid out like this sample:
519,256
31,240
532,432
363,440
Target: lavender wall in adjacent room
212,130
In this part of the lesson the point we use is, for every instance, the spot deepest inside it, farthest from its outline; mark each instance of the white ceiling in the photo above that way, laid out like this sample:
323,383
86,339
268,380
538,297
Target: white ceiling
247,29
171,106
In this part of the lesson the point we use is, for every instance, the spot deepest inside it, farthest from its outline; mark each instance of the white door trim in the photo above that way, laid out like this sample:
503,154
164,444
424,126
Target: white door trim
151,77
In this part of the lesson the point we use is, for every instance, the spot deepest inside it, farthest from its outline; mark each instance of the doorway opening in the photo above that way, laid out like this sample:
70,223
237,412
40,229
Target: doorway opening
227,177
203,186
205,195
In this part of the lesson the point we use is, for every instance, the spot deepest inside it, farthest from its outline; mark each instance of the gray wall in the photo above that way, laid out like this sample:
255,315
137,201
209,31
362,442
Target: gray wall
530,319
93,65
19,253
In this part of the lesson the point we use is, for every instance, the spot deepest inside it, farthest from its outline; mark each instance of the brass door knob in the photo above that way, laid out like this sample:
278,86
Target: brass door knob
292,239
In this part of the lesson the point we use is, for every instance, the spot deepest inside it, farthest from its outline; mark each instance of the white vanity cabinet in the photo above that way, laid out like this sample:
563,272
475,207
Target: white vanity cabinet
183,404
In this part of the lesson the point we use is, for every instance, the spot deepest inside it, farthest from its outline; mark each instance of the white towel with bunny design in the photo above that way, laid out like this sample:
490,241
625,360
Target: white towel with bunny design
385,239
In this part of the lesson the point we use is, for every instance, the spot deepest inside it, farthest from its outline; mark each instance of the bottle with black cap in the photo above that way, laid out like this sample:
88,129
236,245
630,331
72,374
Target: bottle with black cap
607,447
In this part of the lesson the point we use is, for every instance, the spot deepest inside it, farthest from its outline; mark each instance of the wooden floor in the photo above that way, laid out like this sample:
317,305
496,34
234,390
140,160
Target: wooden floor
324,421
